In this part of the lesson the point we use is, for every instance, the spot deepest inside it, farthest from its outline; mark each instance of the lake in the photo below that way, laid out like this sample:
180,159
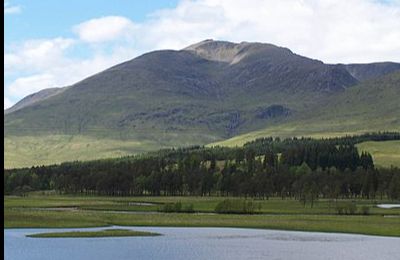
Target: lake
201,243
388,206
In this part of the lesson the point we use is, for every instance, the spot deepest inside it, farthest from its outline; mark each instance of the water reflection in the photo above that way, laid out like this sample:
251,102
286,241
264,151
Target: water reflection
201,243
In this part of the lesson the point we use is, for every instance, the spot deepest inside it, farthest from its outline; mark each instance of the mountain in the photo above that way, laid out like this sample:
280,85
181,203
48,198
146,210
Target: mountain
372,105
33,98
209,91
364,72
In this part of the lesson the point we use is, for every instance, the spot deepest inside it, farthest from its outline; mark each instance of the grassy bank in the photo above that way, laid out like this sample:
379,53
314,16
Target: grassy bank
100,233
200,204
284,215
371,225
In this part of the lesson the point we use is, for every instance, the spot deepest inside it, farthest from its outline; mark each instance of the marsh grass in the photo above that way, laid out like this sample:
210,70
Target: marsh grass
99,233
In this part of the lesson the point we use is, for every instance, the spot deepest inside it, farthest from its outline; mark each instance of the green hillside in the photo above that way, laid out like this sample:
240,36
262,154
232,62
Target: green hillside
370,106
385,154
25,151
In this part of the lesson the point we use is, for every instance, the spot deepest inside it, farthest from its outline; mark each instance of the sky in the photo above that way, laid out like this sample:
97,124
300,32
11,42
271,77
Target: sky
51,43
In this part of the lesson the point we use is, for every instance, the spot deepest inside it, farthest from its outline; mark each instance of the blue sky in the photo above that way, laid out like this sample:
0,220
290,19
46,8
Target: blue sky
48,19
51,43
51,18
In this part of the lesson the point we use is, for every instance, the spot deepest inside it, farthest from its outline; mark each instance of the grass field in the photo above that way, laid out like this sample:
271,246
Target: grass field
26,151
200,204
384,153
285,131
100,233
65,211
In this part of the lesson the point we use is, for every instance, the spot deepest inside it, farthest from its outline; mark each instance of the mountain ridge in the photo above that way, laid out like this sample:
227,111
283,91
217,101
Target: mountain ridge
209,91
358,71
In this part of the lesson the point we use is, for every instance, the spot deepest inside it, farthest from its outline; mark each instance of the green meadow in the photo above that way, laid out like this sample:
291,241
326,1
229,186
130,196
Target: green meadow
40,211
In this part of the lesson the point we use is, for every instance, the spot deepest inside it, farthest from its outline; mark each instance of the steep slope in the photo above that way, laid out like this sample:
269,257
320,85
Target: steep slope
132,94
370,106
33,98
206,92
364,72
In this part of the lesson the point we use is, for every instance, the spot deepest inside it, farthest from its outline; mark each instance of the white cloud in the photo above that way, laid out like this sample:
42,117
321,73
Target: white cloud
45,63
36,55
7,103
331,30
104,29
31,84
8,9
334,31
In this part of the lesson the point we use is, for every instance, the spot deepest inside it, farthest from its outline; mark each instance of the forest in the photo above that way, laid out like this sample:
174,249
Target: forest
302,168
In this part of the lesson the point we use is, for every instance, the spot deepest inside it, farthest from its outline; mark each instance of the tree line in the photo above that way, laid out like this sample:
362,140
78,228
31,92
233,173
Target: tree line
301,168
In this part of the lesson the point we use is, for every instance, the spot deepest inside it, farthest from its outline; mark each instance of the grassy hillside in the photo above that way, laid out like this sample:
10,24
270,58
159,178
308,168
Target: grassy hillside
370,106
26,151
385,154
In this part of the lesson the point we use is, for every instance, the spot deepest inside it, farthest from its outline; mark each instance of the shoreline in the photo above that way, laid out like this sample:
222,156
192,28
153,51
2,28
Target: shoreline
160,225
189,227
276,214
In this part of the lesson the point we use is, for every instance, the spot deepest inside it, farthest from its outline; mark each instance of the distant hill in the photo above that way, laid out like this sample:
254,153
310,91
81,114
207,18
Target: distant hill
207,92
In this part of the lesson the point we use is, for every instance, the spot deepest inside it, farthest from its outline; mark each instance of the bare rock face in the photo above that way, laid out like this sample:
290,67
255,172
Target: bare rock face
219,51
272,112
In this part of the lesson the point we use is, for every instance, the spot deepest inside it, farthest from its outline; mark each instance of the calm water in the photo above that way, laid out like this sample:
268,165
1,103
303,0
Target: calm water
388,206
201,243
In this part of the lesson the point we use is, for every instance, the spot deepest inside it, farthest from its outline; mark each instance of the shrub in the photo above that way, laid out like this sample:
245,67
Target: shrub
351,208
340,209
232,206
347,208
171,207
176,207
188,209
365,210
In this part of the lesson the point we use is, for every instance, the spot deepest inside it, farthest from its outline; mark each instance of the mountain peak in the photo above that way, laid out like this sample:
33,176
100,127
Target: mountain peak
230,52
222,51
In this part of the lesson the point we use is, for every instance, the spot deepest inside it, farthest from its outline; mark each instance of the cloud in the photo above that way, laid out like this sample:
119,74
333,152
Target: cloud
104,29
334,31
11,9
330,30
31,84
7,103
46,63
36,55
